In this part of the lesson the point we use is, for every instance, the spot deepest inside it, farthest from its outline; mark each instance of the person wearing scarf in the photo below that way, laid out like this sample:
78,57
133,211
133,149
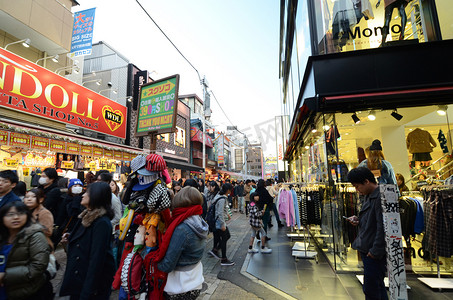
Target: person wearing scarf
182,246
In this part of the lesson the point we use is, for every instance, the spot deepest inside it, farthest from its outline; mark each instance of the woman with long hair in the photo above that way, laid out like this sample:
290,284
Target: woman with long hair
183,245
34,199
90,264
221,233
377,164
26,255
265,203
213,190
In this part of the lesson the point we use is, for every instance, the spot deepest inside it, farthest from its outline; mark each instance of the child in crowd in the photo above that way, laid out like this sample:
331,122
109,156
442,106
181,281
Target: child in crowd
257,225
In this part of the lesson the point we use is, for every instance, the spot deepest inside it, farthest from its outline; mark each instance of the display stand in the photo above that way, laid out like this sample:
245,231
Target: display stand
301,249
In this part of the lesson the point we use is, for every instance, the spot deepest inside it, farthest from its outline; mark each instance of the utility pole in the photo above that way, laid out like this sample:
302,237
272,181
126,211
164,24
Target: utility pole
204,83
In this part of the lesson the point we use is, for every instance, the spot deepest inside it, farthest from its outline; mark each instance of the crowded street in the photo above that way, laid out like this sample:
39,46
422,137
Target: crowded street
167,150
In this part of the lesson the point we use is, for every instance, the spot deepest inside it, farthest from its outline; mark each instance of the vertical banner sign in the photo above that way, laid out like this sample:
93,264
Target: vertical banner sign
220,150
140,78
157,106
3,137
394,244
82,32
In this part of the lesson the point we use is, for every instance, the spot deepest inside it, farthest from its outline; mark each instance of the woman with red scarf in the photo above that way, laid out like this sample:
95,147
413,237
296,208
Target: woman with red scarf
183,245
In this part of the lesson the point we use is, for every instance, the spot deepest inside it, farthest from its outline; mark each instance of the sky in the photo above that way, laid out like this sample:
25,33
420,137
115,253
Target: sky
235,44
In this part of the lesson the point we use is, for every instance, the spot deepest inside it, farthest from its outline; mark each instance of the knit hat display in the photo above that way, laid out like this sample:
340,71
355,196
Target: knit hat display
376,145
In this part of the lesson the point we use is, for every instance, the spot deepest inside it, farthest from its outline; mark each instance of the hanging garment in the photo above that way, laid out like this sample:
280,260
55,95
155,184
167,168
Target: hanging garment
296,207
442,141
344,18
367,9
440,222
286,207
420,141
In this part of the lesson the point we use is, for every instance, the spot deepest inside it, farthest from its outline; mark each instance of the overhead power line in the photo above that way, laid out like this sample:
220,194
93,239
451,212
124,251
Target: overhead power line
149,16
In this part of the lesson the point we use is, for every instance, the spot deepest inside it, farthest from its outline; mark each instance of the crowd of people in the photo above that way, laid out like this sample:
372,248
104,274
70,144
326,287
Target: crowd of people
83,217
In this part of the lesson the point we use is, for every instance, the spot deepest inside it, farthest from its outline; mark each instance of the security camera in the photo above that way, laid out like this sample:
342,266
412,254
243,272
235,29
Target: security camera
109,84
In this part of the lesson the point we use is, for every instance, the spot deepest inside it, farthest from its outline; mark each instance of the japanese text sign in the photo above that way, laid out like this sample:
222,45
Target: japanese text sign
82,32
158,106
3,137
394,244
19,139
40,143
32,89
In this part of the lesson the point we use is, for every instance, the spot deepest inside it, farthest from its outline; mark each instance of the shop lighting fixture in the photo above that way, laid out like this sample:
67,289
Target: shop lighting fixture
98,81
75,69
307,147
326,127
313,128
54,58
355,118
396,115
25,42
372,115
109,89
442,110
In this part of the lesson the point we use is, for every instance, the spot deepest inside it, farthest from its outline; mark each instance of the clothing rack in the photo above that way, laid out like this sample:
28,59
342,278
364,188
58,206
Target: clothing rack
438,283
301,249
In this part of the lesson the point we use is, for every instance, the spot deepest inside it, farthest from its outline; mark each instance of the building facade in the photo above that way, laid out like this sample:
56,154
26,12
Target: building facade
365,74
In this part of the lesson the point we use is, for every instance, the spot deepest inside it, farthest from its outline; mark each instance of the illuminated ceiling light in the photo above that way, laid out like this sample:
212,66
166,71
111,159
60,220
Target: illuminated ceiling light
129,99
313,128
25,42
326,127
442,110
372,115
396,115
307,147
355,118
55,58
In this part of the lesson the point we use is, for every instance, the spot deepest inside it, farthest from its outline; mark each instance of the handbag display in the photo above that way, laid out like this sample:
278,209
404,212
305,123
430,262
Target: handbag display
185,279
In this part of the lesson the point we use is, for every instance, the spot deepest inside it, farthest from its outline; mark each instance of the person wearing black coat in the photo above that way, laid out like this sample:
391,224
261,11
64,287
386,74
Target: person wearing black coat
265,199
90,264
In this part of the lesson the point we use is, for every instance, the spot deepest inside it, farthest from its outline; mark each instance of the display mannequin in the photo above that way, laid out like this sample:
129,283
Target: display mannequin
420,144
390,5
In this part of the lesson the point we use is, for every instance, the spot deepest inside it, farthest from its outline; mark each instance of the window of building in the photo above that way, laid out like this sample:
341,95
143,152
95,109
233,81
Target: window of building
445,13
180,137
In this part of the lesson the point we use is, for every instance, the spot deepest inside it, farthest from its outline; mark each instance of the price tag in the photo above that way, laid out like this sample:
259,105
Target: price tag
67,164
11,163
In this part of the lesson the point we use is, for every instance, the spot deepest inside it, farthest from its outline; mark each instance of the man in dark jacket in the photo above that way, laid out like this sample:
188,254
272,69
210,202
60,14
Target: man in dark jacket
370,241
8,180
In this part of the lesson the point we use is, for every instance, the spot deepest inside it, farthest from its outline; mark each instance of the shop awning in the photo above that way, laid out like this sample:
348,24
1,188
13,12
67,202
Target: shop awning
176,164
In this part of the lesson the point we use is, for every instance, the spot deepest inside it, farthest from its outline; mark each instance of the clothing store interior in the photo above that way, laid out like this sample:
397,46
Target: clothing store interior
417,142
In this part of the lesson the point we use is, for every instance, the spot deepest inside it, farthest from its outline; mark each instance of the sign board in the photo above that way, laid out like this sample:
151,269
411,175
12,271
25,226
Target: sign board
140,78
19,139
3,137
82,32
40,143
157,107
67,164
394,243
11,163
32,89
220,150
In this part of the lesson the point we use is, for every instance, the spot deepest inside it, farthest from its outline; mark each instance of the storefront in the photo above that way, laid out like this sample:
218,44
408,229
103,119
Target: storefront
375,72
40,111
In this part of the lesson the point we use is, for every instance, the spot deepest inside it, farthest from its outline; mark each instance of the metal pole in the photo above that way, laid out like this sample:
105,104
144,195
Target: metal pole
203,82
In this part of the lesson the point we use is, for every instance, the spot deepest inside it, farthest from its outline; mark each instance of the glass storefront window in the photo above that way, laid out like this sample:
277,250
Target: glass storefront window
180,137
348,25
419,129
445,13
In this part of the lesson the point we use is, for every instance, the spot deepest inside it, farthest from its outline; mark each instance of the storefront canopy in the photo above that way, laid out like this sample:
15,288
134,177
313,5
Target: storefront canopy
176,164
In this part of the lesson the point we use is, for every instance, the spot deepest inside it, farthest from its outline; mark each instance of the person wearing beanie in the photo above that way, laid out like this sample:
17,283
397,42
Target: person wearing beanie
376,162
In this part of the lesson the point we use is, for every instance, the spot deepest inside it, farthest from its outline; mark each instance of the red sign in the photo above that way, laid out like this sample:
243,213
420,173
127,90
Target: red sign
72,148
197,136
32,89
108,153
118,155
3,137
19,139
86,150
58,146
40,143
97,152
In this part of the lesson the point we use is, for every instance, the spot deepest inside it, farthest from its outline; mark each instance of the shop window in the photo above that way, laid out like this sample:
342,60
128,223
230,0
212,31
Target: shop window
164,137
348,25
180,137
445,14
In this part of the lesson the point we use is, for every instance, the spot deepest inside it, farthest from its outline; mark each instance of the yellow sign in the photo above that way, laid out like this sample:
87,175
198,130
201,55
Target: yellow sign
67,165
11,163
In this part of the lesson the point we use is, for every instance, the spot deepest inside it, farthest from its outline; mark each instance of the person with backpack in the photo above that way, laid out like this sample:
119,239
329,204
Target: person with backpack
213,190
216,219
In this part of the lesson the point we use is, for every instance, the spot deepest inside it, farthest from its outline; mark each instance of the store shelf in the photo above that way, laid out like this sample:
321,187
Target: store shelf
438,283
304,254
300,246
386,281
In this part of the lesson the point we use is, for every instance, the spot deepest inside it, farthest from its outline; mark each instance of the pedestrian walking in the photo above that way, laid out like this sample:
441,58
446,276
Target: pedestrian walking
247,190
8,181
370,242
221,233
26,252
256,222
239,191
183,245
90,265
